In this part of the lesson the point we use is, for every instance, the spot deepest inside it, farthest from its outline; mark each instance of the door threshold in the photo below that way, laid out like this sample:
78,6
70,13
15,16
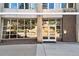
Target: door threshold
47,41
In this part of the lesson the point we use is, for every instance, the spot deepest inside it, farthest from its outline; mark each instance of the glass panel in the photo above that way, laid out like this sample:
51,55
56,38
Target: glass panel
6,5
33,6
52,32
45,29
20,30
21,5
70,5
26,5
6,22
31,28
27,27
58,28
57,5
6,25
45,5
14,5
20,23
13,30
63,5
6,28
6,36
52,25
52,22
51,5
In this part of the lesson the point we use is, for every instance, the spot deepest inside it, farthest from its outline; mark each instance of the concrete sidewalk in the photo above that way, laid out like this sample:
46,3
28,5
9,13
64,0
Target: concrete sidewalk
44,49
58,49
18,50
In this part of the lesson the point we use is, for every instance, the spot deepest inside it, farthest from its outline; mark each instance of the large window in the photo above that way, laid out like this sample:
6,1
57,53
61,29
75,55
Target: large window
19,28
57,5
63,5
33,5
67,5
6,5
70,5
45,5
14,5
26,5
21,5
51,5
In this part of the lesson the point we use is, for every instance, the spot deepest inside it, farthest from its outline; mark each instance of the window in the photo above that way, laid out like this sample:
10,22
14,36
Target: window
63,5
14,5
6,5
70,5
33,6
26,5
51,5
19,28
45,5
57,5
21,5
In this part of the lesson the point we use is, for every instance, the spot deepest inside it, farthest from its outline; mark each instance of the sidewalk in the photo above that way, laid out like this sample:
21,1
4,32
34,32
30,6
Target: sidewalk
44,49
58,49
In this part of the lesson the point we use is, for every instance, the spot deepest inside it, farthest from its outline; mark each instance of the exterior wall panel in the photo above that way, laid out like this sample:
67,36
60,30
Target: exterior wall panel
69,28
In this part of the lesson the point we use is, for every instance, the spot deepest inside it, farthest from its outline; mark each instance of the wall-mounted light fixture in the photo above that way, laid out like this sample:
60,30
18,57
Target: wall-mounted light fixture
65,31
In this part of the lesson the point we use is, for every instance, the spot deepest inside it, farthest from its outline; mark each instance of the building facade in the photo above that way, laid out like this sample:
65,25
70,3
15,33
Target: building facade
43,28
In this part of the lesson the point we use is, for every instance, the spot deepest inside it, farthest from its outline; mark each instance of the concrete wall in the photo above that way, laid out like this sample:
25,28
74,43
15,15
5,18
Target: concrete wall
34,10
77,23
39,24
0,29
77,7
77,28
1,7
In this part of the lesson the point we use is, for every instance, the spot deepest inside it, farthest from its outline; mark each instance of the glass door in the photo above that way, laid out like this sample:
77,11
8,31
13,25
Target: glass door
45,29
52,30
49,30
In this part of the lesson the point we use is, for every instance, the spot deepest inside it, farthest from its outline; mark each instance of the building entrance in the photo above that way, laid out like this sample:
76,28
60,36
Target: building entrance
51,29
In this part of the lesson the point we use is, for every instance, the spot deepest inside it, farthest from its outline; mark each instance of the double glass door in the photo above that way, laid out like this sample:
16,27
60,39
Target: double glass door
50,29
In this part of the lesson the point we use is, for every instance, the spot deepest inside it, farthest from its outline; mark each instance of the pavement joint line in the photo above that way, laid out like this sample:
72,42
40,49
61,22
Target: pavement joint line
44,49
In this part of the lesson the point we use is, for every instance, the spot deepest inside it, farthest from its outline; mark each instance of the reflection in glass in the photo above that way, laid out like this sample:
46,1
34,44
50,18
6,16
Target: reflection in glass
14,5
45,5
45,29
21,5
51,5
33,6
51,28
6,5
19,28
70,5
63,5
26,5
